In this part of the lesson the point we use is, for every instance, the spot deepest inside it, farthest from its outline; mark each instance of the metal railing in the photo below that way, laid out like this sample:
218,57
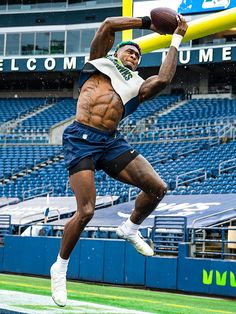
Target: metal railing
43,190
35,215
167,233
151,123
132,194
223,165
214,242
228,131
5,225
197,220
190,178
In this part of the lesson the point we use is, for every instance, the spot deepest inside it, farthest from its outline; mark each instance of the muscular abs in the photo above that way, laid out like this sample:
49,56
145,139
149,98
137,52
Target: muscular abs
99,105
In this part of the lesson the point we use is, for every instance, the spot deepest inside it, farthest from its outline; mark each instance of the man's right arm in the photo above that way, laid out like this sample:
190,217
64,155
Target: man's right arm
105,36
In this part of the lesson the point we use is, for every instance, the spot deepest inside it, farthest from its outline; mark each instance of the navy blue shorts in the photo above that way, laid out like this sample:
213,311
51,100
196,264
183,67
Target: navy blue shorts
108,151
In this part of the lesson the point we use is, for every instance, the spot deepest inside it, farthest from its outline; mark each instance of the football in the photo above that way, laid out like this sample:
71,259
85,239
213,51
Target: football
164,20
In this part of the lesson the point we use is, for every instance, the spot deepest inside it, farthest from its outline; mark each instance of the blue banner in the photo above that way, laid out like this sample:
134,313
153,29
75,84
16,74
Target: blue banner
41,64
203,55
202,6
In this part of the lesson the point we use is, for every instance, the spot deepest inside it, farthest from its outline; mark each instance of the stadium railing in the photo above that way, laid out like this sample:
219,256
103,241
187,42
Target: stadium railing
213,242
227,165
5,226
165,236
190,176
167,233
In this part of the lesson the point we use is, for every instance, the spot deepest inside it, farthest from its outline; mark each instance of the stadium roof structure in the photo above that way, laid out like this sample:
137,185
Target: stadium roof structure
33,210
202,210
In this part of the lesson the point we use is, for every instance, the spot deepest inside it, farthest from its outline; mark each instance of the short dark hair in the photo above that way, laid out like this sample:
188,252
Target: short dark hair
129,42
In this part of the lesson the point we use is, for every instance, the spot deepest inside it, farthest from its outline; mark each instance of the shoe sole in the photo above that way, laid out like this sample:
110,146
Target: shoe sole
121,235
58,303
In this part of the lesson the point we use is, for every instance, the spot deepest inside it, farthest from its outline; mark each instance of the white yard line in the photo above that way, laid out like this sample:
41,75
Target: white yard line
28,303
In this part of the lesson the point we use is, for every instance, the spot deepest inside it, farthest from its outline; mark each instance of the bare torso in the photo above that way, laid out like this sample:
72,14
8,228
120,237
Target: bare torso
99,105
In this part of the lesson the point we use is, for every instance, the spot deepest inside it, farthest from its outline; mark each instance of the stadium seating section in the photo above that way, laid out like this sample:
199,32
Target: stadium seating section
184,145
18,108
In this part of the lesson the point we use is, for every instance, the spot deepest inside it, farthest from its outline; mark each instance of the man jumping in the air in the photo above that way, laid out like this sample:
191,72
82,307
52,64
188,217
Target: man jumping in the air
111,90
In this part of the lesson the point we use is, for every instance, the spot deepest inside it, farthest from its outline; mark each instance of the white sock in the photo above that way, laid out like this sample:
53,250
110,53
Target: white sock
62,264
130,227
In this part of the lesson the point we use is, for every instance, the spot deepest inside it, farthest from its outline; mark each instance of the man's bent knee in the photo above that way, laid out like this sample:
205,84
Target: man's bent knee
159,191
85,214
162,191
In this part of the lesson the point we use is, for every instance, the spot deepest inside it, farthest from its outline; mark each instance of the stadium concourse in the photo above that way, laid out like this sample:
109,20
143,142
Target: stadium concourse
187,133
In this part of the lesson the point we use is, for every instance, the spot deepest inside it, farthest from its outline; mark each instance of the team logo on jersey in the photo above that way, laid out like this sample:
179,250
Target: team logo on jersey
126,73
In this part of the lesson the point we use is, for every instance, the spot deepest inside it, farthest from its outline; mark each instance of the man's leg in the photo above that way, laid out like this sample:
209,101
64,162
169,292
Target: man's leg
140,173
83,186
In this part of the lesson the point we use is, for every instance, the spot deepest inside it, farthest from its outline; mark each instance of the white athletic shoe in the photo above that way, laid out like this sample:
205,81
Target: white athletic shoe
58,286
136,239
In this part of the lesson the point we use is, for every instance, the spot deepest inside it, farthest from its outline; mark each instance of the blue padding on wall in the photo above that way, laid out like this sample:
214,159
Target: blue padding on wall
52,247
135,264
91,259
224,278
24,255
161,272
51,250
207,276
74,264
1,258
190,273
35,255
114,261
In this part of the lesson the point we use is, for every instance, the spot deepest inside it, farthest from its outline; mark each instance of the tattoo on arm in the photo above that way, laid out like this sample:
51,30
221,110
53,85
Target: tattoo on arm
168,67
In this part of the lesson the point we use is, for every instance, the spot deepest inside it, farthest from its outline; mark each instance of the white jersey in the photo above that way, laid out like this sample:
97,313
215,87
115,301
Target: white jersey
125,82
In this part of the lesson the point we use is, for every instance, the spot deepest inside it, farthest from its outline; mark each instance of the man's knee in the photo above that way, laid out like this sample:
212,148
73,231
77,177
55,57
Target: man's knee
162,190
159,190
87,212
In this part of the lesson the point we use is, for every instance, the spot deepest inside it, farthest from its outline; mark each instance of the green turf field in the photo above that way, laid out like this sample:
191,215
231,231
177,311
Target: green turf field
127,298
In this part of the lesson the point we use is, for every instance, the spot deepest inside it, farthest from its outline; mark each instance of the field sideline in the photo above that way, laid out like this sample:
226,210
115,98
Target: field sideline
124,298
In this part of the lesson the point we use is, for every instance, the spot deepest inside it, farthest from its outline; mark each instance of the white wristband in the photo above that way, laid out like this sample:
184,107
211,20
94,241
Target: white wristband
176,40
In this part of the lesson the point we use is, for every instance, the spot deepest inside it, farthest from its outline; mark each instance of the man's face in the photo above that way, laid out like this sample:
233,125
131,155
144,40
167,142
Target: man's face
129,56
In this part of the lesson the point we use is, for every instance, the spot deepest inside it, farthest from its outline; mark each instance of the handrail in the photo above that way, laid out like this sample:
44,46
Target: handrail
210,215
221,169
37,188
221,241
225,222
227,130
189,123
193,179
39,213
20,226
68,186
131,189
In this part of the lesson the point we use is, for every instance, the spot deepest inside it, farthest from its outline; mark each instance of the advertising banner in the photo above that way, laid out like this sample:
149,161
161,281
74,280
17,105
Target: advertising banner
183,6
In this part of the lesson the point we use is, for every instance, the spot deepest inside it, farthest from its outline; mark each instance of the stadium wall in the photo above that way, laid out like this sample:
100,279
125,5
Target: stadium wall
116,262
56,131
1,258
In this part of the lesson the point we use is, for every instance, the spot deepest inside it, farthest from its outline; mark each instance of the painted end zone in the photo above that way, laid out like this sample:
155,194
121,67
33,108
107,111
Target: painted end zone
19,302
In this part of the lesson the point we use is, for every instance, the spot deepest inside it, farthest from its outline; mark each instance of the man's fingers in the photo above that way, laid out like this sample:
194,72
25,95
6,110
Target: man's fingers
178,18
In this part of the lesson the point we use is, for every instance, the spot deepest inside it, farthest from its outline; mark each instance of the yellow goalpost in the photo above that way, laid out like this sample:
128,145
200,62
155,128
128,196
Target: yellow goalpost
211,24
